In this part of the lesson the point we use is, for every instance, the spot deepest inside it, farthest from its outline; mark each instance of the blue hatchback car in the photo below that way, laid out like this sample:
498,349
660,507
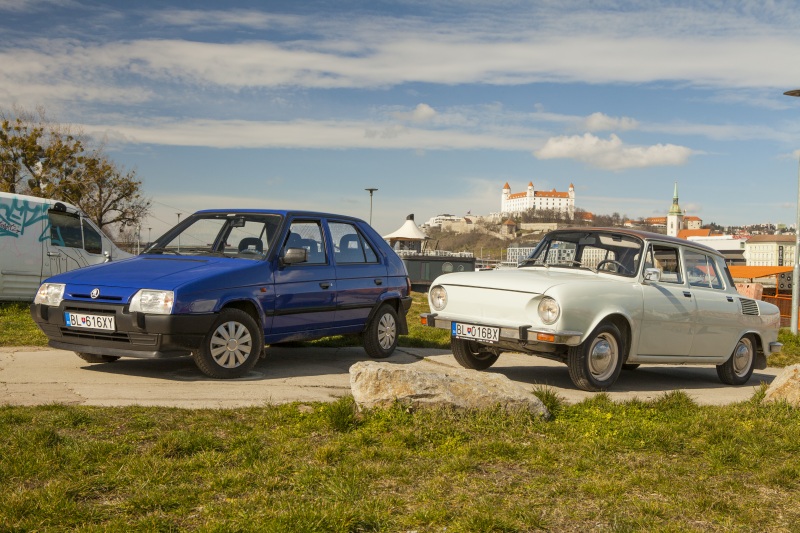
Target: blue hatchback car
222,284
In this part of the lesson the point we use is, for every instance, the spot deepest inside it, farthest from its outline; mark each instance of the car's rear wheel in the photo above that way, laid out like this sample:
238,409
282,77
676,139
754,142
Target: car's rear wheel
231,347
96,358
472,355
380,336
595,364
739,367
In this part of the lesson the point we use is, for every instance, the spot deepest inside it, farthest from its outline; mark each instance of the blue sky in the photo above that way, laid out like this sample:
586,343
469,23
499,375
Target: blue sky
435,103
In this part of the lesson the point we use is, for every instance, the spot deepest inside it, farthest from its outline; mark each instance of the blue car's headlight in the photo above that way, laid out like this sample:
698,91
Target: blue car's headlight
153,301
50,294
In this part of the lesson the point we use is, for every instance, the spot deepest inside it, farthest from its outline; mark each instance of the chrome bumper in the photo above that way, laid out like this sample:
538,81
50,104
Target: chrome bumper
775,347
527,334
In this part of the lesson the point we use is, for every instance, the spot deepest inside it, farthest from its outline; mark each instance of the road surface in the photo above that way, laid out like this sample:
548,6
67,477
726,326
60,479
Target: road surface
37,376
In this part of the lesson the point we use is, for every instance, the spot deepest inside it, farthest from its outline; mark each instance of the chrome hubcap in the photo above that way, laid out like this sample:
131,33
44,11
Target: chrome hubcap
231,344
742,357
603,356
387,331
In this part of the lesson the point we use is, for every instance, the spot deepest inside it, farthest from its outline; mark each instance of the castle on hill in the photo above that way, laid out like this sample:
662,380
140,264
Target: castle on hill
520,202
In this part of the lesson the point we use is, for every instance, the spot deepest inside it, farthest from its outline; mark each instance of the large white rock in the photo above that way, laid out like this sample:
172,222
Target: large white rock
785,387
381,384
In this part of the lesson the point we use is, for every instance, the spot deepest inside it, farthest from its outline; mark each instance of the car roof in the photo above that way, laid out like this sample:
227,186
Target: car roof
281,212
644,235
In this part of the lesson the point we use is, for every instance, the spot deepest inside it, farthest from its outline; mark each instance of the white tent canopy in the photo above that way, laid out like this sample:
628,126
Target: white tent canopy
407,232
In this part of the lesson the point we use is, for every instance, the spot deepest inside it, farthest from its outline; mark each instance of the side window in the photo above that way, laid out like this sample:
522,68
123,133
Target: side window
308,235
667,260
65,230
702,271
92,240
349,245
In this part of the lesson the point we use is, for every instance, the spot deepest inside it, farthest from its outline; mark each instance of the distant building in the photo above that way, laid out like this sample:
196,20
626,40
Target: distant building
520,202
770,250
676,219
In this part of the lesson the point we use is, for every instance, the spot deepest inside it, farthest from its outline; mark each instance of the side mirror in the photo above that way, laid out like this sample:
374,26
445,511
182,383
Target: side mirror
652,275
293,256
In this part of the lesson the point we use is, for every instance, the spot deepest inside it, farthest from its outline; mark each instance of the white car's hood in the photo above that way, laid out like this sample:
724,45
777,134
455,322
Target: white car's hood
535,280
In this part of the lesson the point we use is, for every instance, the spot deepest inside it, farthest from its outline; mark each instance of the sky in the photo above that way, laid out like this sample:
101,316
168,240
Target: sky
436,104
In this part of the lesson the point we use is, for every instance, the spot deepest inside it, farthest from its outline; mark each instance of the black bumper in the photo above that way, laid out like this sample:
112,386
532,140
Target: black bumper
136,334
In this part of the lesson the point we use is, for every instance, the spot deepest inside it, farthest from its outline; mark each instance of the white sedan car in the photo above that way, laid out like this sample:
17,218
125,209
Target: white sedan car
604,299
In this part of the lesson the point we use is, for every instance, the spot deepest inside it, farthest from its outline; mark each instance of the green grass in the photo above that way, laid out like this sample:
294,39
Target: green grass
17,328
663,465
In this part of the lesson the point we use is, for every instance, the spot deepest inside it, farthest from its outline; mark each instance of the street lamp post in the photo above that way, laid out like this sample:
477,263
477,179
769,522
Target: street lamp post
371,190
796,268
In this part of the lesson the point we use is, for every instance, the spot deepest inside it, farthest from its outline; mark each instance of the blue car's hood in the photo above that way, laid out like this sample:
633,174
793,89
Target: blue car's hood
154,271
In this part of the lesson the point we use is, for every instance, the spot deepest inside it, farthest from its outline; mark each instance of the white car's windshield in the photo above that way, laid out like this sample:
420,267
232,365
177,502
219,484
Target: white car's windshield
246,236
598,251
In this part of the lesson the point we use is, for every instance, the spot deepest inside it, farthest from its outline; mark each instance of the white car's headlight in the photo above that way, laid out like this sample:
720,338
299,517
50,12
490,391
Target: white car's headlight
549,310
438,297
50,294
153,301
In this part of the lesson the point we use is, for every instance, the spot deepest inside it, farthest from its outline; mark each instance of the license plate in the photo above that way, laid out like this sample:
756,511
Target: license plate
475,333
80,320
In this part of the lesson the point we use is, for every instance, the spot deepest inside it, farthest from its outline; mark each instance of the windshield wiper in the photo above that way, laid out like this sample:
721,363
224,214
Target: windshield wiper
162,250
533,262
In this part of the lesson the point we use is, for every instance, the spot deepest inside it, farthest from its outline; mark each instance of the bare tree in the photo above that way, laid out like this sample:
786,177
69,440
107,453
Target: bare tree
46,159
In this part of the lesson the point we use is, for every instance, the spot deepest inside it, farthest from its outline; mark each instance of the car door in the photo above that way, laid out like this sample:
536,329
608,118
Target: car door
716,327
668,306
361,276
305,293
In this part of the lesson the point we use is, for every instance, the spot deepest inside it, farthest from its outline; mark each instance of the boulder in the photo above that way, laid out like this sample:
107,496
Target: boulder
785,387
381,384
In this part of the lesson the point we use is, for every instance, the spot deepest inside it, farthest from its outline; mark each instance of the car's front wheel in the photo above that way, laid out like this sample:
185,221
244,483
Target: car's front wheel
231,347
472,355
380,336
595,364
96,358
739,367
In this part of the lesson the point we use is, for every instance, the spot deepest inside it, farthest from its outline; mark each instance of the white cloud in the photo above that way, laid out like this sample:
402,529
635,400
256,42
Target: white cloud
602,122
421,113
612,154
302,134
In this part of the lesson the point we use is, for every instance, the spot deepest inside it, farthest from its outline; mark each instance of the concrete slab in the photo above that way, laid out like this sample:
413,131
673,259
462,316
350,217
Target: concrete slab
37,376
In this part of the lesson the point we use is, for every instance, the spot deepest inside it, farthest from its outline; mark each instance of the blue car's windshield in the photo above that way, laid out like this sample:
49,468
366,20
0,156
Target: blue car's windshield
599,251
247,236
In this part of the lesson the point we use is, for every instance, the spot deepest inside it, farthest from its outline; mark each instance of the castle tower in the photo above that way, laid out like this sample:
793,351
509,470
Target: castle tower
675,215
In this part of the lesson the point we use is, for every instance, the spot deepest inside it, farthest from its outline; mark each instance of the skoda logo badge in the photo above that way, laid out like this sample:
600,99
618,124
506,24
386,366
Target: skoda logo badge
95,293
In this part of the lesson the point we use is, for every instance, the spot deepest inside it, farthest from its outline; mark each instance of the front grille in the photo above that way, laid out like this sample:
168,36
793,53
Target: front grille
749,307
89,310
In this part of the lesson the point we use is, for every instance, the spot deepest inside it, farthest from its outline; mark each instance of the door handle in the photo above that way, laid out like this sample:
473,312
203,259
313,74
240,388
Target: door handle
378,281
687,294
53,254
325,285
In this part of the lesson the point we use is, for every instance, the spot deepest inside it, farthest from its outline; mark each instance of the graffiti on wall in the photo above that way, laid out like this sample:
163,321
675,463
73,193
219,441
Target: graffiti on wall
17,215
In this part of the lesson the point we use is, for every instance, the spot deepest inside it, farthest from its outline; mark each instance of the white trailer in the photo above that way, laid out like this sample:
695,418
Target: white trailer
40,237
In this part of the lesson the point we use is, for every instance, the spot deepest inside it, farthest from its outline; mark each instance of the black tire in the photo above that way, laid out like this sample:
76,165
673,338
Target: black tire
96,358
231,347
380,335
595,364
630,366
739,366
472,355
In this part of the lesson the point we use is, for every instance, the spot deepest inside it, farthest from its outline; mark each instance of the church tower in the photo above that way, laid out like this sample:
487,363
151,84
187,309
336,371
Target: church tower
675,215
